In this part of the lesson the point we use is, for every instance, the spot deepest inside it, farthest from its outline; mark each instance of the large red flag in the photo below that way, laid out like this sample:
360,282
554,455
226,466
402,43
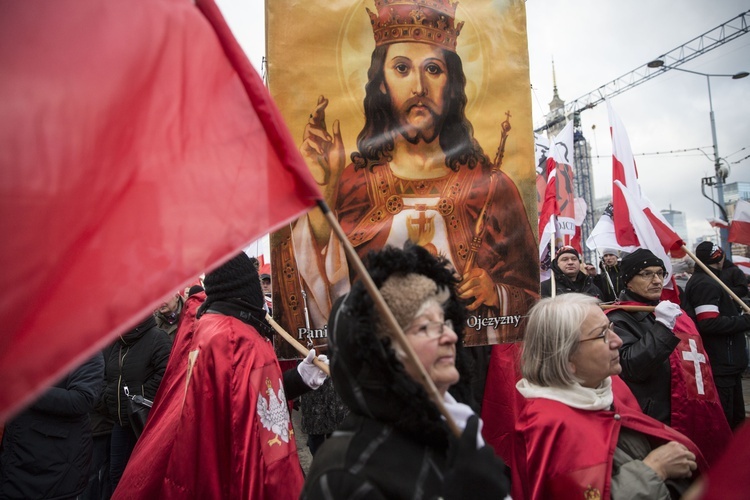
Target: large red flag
138,148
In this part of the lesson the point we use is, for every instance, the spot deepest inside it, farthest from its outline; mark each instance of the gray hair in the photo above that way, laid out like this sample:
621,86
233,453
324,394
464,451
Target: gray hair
551,338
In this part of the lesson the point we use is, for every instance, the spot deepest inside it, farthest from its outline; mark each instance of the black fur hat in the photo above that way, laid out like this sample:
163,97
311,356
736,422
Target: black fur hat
365,368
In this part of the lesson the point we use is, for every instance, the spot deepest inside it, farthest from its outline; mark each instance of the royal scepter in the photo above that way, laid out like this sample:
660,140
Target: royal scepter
481,225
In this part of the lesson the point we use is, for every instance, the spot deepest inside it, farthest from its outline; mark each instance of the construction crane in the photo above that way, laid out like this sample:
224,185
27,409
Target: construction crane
711,39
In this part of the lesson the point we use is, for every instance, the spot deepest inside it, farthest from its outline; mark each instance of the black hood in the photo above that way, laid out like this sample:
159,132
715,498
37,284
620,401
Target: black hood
129,338
365,370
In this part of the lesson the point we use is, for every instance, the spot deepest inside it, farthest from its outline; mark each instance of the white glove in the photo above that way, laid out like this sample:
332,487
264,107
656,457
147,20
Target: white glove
667,313
312,376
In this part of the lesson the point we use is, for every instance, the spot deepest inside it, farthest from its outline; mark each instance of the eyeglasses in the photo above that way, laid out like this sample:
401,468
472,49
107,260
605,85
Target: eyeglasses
604,335
649,275
433,329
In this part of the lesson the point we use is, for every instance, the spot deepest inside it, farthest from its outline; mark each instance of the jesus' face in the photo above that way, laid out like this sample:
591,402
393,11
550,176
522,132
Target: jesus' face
416,78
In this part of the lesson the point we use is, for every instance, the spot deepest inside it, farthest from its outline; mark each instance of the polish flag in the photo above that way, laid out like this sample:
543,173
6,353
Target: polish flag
626,187
743,263
139,149
739,230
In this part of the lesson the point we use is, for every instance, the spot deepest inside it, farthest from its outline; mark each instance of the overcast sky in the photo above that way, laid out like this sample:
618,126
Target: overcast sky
592,43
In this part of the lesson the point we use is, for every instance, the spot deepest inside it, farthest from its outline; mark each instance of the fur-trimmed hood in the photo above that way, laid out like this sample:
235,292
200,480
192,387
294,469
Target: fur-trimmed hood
364,367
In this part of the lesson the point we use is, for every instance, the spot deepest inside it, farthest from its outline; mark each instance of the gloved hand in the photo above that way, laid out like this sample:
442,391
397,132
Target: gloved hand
667,313
312,376
474,473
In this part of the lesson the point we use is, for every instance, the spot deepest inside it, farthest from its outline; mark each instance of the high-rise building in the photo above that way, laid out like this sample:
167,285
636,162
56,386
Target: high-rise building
678,221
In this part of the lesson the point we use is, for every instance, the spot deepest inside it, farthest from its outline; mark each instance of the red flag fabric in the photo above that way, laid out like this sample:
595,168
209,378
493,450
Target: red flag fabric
138,149
636,222
739,230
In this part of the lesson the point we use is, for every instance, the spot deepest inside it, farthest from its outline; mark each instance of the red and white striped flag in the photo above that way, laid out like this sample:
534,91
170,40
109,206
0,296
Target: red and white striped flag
739,230
636,221
138,148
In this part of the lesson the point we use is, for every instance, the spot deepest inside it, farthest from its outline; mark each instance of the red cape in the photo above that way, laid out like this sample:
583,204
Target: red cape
220,428
696,409
566,453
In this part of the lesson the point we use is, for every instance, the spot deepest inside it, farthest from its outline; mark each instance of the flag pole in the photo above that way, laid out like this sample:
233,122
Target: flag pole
627,308
296,344
703,266
553,285
397,333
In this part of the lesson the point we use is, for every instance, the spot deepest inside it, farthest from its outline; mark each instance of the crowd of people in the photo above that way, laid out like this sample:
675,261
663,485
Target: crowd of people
635,399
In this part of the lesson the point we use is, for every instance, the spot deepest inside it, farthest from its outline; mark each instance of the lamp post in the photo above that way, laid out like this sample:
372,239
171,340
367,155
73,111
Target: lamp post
721,172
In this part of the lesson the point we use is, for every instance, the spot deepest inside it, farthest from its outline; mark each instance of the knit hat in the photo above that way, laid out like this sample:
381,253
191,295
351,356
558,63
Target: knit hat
567,249
405,294
235,279
194,289
709,252
609,251
637,261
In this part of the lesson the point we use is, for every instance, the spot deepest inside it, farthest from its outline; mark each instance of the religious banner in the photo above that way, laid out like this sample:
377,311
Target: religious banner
414,117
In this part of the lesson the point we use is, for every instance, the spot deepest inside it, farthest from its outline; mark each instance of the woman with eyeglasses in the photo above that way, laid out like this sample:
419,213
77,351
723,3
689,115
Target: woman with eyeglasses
581,433
663,360
394,443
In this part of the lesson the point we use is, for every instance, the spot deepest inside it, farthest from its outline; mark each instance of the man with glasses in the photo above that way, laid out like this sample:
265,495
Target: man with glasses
722,328
662,357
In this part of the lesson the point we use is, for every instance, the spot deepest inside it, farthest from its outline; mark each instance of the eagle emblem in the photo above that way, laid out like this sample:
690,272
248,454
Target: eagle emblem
273,413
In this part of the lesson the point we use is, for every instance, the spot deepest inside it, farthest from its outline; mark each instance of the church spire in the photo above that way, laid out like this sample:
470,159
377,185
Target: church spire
554,81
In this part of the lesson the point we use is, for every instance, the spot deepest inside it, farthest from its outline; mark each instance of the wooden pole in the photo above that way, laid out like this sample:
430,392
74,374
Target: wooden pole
628,308
295,343
398,334
703,266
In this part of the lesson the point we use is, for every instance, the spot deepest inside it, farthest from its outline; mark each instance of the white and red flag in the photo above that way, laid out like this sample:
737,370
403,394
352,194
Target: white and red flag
138,149
557,217
739,230
633,222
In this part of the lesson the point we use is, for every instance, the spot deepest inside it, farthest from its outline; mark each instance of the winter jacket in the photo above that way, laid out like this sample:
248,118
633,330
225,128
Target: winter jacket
720,324
583,283
644,357
46,449
170,324
394,443
612,287
733,277
138,360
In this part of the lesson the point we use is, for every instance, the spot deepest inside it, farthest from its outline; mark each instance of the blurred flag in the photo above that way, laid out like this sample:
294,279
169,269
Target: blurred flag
739,230
138,149
718,223
742,262
557,215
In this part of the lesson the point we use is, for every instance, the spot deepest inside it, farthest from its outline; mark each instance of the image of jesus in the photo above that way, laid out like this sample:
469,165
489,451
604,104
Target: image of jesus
418,175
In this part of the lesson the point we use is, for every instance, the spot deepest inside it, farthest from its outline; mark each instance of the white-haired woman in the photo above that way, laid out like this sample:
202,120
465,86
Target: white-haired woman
581,433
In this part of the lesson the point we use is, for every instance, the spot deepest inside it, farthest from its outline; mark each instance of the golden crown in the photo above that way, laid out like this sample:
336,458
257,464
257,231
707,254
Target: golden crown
425,21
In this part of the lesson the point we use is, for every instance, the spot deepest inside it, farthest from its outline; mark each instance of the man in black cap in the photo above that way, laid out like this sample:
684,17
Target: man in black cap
568,275
655,355
609,281
722,328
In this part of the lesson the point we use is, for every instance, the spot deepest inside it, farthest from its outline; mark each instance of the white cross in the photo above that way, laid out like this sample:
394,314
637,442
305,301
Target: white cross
697,358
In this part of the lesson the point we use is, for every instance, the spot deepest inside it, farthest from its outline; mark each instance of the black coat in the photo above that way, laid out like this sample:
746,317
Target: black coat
644,357
46,449
583,283
723,334
612,287
137,359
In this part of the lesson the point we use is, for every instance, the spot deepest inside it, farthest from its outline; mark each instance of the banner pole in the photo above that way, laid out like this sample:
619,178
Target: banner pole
398,334
296,344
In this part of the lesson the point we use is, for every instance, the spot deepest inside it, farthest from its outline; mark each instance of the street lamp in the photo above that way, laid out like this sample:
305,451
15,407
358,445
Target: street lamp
721,172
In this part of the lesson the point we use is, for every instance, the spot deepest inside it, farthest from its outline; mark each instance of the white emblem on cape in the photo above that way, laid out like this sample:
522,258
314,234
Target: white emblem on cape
273,413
